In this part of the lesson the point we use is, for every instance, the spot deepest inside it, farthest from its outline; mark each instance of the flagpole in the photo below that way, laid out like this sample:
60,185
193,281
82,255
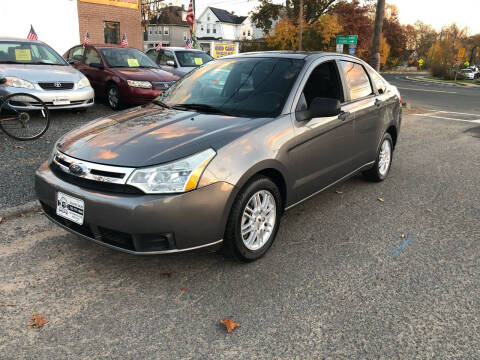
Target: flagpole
194,43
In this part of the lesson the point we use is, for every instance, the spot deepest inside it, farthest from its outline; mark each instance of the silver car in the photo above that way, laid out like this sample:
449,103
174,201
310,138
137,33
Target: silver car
177,60
33,67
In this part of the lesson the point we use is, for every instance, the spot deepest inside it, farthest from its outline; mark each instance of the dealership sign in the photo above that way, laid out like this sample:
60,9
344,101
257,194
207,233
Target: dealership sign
220,50
131,4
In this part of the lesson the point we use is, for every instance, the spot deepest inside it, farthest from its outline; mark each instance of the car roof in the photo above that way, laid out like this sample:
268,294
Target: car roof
102,46
20,40
179,48
288,54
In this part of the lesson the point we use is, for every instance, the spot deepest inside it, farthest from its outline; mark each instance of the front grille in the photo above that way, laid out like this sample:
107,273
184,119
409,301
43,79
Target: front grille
56,85
92,184
138,243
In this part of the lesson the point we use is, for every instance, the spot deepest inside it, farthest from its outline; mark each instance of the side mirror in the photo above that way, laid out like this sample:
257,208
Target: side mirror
171,63
97,65
320,107
70,60
3,81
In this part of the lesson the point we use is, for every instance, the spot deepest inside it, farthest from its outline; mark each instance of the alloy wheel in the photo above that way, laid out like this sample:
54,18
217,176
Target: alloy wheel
385,157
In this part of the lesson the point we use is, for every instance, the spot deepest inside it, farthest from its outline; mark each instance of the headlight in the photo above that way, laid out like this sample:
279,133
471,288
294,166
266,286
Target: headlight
139,84
175,177
83,83
18,83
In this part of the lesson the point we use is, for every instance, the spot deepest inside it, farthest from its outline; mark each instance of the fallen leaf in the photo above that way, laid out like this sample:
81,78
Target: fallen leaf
19,147
37,321
402,236
1,220
184,289
92,271
429,210
230,324
9,305
167,275
381,199
339,192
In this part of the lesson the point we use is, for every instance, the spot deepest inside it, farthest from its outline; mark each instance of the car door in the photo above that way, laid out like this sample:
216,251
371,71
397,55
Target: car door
94,69
322,151
366,107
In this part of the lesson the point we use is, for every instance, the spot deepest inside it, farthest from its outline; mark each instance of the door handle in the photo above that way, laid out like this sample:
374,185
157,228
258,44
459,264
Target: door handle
344,115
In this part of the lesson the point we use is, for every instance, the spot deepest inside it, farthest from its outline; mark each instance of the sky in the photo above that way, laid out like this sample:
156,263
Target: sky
437,13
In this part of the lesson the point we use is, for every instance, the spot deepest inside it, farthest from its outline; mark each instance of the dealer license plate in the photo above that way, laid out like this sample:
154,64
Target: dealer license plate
70,208
61,101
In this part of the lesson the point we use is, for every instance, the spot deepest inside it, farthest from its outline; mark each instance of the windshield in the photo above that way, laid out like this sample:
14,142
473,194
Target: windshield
192,58
125,57
250,87
19,52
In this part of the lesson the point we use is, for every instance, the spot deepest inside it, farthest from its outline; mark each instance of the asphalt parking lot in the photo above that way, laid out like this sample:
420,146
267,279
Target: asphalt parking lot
20,159
349,276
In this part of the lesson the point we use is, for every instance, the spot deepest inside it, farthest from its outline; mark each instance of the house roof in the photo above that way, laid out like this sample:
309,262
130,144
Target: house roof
225,16
170,15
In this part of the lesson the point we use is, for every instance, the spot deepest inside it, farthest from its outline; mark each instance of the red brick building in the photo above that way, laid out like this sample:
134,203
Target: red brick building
107,21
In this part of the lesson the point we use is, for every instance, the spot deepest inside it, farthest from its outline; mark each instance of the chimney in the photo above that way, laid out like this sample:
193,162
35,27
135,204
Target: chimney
233,12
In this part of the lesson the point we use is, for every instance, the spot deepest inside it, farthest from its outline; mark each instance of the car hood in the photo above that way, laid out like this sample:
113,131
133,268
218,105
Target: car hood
152,135
41,73
146,74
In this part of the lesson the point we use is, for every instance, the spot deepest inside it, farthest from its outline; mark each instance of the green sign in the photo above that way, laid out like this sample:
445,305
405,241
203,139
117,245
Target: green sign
350,39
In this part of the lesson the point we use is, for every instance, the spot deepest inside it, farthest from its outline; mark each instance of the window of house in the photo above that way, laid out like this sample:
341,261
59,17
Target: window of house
208,18
111,31
185,36
201,27
214,29
165,30
244,33
324,81
248,32
208,28
357,79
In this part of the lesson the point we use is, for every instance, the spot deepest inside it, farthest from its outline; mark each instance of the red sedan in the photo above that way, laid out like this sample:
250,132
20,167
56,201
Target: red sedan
124,75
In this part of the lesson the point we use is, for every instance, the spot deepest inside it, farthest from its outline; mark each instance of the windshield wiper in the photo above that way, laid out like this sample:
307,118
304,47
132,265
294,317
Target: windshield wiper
201,108
161,103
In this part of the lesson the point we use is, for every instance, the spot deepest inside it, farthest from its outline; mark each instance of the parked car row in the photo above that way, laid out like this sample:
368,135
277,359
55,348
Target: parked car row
121,75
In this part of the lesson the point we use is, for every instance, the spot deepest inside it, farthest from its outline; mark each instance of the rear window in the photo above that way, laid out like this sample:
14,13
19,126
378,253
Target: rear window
358,83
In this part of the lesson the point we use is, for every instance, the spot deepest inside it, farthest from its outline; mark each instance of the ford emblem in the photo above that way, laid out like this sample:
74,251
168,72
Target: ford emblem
77,169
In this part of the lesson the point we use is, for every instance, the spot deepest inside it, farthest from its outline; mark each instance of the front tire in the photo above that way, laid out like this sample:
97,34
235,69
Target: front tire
254,220
114,98
381,168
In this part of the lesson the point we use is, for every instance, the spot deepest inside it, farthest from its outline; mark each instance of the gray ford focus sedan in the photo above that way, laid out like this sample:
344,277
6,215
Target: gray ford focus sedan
217,158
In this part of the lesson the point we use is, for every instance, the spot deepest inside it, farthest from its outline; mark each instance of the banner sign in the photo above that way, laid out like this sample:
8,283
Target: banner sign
130,4
220,50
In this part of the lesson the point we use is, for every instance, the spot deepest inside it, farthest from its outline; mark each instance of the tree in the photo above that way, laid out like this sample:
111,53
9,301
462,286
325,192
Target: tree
356,20
266,13
284,36
321,34
395,35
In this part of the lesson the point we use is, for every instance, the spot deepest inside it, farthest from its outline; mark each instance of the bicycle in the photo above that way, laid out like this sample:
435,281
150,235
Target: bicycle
23,116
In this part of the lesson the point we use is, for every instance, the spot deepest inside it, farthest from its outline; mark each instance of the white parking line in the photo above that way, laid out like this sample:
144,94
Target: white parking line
437,115
427,90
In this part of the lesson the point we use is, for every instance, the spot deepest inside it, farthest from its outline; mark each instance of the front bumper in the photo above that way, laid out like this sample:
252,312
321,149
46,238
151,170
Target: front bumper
79,98
139,96
142,224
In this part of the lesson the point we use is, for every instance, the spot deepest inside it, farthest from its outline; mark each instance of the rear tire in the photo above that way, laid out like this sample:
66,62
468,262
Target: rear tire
383,162
254,220
114,97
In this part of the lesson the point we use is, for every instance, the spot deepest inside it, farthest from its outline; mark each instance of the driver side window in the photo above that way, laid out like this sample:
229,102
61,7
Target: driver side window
166,56
92,57
324,82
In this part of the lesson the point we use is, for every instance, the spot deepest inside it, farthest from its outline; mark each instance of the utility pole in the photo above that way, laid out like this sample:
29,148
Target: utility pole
300,26
377,33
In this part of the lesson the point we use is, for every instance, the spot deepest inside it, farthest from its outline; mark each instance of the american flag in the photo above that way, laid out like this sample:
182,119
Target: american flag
32,35
159,46
86,39
124,42
188,44
191,16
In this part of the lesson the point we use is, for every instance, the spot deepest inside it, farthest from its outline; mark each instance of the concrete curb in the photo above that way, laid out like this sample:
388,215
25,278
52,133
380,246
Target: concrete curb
15,210
430,81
